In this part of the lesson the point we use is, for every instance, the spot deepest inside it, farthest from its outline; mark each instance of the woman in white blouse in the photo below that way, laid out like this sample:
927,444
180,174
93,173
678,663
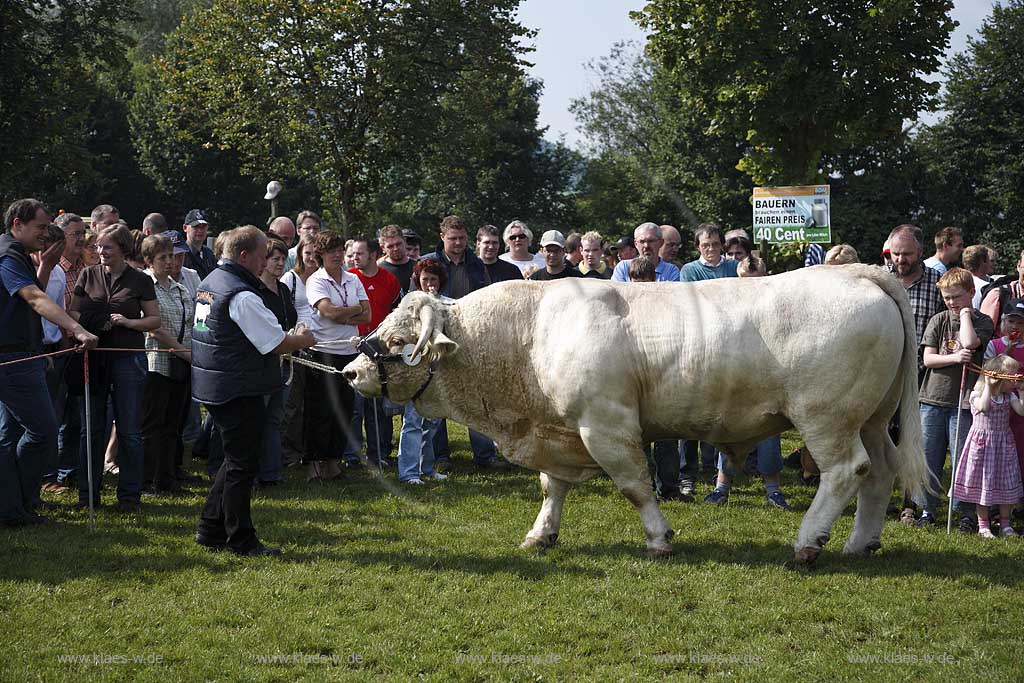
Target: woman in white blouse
294,440
338,304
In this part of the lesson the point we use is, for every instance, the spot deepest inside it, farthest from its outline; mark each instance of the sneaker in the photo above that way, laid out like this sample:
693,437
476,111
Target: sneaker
416,481
1008,532
436,476
926,520
686,487
777,500
719,496
986,533
907,517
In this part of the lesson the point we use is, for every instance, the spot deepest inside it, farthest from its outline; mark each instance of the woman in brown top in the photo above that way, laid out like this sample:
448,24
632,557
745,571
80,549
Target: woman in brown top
118,303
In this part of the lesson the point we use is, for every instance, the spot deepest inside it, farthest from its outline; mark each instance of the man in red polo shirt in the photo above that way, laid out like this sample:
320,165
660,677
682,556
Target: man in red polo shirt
384,291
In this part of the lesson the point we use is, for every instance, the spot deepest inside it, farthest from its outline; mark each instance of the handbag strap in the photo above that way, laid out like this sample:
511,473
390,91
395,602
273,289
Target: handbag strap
181,332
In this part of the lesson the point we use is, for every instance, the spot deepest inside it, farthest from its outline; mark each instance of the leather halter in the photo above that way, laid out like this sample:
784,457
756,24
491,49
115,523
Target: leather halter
370,346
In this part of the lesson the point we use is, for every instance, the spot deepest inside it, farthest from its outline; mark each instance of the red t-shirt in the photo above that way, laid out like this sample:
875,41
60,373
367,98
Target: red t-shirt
382,289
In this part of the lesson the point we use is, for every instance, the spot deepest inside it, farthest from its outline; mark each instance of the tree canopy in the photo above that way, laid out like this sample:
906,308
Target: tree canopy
800,79
338,92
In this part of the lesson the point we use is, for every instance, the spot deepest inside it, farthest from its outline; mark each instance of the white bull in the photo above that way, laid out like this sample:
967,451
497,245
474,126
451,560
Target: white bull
573,377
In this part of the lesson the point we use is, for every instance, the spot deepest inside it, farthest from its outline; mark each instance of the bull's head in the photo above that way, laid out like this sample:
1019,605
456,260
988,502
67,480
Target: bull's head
400,357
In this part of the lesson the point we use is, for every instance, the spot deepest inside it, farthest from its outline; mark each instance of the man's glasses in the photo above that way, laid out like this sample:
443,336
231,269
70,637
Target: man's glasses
651,241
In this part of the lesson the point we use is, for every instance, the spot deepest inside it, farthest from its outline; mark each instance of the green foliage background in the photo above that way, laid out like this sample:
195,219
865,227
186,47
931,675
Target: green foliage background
378,111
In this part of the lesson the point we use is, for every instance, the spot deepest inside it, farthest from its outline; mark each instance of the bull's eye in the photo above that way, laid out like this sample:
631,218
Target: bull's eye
396,343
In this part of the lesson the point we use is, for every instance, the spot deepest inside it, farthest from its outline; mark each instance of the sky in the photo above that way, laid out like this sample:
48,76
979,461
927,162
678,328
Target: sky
574,32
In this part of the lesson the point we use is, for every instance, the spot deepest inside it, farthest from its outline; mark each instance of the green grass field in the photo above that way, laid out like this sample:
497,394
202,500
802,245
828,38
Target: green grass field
380,582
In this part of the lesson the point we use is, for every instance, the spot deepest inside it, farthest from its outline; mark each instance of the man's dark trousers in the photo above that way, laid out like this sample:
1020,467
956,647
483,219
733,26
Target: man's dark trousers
226,515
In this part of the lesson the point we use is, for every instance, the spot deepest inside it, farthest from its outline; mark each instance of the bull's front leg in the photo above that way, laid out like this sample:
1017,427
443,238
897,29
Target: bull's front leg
544,533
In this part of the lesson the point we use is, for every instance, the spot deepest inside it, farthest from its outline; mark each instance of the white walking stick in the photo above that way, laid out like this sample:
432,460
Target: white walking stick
88,441
954,453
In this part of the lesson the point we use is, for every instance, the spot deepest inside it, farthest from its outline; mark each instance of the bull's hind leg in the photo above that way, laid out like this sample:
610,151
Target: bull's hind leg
626,464
875,492
844,465
544,533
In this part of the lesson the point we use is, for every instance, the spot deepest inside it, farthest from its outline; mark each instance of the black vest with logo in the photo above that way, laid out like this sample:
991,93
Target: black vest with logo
225,364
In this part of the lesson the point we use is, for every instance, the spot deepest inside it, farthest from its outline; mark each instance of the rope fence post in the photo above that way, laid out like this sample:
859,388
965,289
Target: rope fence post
88,440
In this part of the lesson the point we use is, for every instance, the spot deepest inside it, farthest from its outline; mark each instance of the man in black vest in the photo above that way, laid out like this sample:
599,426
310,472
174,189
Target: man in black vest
28,427
236,341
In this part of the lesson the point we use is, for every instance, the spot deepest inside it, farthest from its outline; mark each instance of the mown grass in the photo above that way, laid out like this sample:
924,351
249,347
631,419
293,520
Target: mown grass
428,584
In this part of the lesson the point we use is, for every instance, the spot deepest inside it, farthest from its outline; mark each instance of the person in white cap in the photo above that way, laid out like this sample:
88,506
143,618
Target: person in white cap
552,247
273,189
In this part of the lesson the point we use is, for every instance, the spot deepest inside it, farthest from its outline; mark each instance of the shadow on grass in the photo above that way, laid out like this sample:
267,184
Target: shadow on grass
890,562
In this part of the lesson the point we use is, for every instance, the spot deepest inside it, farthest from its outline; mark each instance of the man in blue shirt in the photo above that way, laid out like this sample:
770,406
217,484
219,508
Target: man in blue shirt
648,240
709,265
28,426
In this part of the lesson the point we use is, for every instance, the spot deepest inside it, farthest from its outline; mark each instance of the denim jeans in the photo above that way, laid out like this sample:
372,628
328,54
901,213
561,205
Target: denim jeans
938,429
663,464
28,434
127,391
690,454
379,429
416,445
482,445
768,454
271,462
69,437
59,398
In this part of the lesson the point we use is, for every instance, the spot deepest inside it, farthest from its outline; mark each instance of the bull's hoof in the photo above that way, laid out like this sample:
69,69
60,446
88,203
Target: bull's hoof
865,551
806,558
659,552
539,542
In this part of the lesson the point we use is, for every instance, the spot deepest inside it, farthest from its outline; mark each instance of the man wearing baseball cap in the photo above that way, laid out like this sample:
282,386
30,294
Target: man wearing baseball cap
552,248
200,257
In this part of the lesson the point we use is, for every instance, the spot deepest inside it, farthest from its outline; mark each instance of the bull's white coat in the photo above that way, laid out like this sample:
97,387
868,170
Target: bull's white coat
573,377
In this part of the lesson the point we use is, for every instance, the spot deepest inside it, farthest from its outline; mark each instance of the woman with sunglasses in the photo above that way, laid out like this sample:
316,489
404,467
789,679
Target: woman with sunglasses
518,238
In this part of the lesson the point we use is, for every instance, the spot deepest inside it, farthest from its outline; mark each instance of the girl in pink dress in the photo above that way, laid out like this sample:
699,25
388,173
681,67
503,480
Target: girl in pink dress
988,472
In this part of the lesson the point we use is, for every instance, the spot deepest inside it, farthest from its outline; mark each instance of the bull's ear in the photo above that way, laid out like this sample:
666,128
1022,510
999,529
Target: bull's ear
442,346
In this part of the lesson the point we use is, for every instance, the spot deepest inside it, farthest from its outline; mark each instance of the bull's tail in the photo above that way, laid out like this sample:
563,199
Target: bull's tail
907,460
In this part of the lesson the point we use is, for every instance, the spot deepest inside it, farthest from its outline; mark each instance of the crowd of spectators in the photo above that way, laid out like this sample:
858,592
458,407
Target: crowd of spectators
147,292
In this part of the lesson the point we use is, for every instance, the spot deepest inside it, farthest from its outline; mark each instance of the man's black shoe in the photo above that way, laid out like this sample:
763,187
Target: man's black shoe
29,519
677,495
210,544
127,507
259,550
443,464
